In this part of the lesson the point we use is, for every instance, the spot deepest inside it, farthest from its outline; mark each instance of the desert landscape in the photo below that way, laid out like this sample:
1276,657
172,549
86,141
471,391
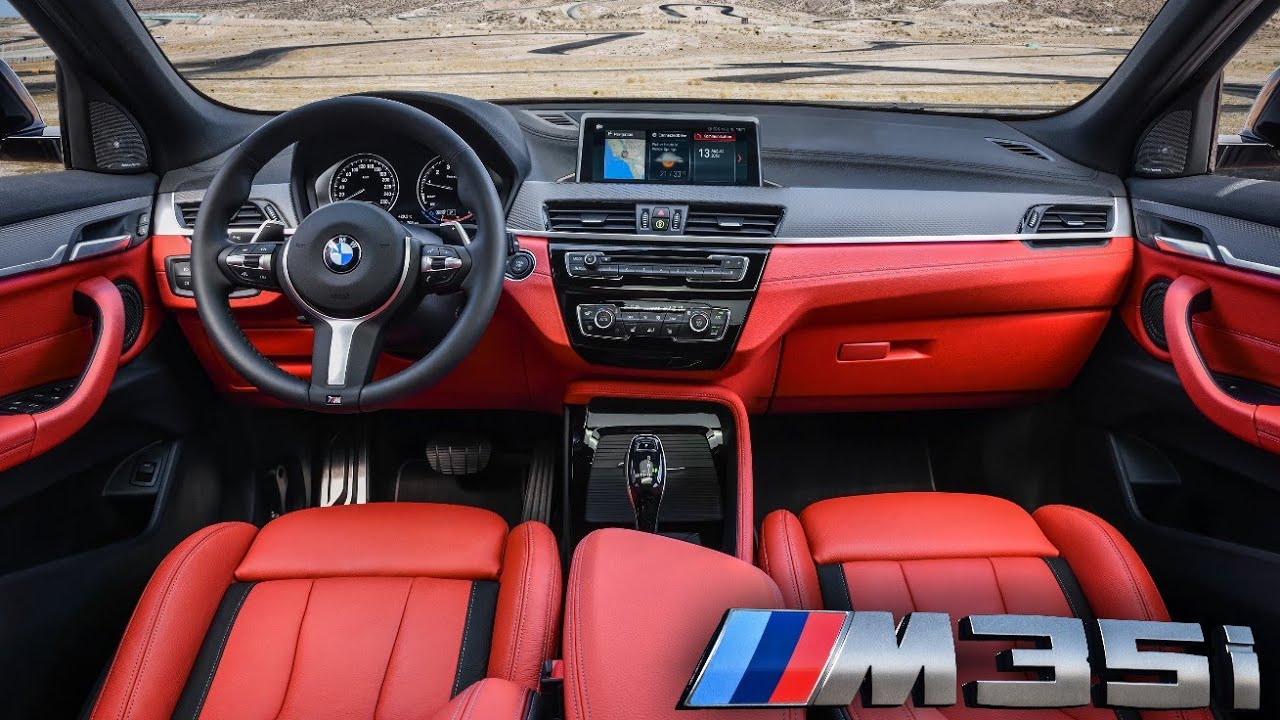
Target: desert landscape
1008,56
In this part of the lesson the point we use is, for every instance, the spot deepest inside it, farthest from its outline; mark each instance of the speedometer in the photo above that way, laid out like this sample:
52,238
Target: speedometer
438,193
368,178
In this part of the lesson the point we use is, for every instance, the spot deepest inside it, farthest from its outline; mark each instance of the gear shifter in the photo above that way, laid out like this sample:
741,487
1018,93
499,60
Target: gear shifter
646,469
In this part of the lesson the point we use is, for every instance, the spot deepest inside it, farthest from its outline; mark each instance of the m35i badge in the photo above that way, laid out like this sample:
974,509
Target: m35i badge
823,658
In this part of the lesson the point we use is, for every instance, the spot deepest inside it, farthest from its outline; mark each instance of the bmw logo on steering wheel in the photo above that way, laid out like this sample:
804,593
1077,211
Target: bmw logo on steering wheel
342,254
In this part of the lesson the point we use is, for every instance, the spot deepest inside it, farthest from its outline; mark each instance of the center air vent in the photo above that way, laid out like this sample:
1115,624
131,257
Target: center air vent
249,215
741,220
1022,148
555,117
1068,219
591,217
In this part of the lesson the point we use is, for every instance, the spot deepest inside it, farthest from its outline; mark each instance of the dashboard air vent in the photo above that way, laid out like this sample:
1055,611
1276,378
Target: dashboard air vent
248,216
555,117
1069,219
1024,149
591,217
742,220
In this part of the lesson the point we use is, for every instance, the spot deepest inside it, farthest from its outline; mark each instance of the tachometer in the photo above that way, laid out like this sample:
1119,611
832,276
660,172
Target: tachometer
368,178
438,193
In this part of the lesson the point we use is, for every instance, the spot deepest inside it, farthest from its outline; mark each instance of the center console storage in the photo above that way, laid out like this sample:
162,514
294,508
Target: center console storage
669,466
655,307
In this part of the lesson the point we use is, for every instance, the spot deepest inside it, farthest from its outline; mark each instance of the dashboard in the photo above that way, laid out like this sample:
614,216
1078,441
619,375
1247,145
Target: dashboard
810,258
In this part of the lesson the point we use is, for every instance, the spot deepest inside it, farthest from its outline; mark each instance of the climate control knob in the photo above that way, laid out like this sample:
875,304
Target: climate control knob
699,321
604,318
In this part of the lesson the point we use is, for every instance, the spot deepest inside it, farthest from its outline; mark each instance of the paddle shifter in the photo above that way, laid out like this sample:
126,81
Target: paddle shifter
646,469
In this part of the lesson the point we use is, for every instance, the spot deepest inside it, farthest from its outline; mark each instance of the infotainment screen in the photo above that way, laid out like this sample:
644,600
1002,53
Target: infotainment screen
671,149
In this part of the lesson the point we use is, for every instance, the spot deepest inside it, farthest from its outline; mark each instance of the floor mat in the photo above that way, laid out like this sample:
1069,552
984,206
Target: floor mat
801,459
497,488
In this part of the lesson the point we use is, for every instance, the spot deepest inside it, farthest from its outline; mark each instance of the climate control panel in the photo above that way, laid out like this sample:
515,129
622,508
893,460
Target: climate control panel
671,321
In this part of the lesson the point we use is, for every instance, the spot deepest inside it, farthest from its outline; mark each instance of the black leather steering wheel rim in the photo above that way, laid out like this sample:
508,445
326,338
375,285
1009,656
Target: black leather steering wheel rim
230,188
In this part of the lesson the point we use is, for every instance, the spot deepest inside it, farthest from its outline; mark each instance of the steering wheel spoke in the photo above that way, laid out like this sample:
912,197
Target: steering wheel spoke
443,267
344,354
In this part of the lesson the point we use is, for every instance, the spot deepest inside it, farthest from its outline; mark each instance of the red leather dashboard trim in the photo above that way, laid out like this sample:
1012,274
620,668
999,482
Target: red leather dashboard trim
23,437
1255,424
580,393
1237,335
967,323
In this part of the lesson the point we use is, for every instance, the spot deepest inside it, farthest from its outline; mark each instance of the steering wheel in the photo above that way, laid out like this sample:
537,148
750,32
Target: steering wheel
349,266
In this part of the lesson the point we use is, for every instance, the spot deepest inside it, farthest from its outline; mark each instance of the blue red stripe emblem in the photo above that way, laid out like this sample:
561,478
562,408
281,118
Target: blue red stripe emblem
766,658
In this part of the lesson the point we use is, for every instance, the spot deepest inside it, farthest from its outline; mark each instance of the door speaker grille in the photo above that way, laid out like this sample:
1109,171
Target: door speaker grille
133,312
117,142
1153,312
1163,150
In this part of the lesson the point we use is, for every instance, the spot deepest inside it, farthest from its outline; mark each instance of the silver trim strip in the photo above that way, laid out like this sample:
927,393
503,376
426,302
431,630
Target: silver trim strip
845,240
94,248
1234,261
1178,246
50,261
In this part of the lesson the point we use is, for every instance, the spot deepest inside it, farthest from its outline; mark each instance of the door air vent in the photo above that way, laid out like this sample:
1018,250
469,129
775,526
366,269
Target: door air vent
591,217
250,215
555,117
1068,219
741,220
1024,149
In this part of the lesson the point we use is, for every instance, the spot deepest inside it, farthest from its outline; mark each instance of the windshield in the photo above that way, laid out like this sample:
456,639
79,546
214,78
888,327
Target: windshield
1006,56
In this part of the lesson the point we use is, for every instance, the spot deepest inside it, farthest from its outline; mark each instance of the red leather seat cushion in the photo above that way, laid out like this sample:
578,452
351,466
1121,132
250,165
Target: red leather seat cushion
384,611
962,555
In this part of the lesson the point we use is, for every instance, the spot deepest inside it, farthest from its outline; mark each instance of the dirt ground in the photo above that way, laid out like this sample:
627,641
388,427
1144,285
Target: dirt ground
964,55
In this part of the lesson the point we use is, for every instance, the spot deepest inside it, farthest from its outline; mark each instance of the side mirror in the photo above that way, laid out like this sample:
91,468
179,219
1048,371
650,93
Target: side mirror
1263,122
18,112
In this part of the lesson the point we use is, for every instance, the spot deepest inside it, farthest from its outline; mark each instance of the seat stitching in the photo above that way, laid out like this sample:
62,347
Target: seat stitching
473,699
517,628
999,590
395,642
1133,581
548,637
905,582
520,706
466,630
140,667
218,660
792,565
293,661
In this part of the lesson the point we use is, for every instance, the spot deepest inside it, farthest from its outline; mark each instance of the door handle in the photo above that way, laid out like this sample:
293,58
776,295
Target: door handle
101,246
23,437
1257,425
1180,246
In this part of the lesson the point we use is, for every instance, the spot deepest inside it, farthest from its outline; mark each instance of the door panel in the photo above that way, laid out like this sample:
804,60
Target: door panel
1196,484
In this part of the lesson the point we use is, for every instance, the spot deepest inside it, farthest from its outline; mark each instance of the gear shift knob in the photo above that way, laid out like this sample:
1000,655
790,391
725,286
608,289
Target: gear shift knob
646,471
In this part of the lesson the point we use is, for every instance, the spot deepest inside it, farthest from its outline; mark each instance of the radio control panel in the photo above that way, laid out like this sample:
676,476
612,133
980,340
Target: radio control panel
622,266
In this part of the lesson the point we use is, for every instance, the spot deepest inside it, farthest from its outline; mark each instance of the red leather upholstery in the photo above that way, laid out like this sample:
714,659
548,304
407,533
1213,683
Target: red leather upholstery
639,611
962,555
354,611
164,634
489,698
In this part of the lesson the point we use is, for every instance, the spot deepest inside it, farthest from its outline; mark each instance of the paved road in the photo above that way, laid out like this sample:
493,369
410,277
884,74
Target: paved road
726,10
564,48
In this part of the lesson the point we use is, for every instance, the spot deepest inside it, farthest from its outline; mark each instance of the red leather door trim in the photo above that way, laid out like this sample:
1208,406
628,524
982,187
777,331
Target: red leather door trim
23,437
1255,424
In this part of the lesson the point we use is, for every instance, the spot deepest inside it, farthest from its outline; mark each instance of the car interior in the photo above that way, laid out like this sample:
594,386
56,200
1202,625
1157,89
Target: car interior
411,404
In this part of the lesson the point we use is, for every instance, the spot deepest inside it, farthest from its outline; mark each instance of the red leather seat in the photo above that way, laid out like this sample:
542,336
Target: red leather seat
381,611
962,555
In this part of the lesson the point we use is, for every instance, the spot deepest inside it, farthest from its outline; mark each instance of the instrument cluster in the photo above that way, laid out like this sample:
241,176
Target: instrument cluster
415,187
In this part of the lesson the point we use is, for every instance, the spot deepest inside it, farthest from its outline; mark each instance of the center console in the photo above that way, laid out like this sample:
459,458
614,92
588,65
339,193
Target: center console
655,307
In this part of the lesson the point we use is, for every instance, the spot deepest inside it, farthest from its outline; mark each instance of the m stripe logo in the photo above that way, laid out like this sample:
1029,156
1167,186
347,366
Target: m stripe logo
766,657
